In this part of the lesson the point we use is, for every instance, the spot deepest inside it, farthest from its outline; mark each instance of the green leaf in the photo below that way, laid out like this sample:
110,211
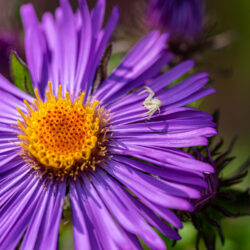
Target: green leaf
21,74
114,61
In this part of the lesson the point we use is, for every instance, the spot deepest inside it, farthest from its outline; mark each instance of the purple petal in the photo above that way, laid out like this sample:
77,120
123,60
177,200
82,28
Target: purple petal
28,16
36,221
131,179
107,32
48,232
66,28
15,214
82,232
85,42
164,158
122,208
8,87
174,175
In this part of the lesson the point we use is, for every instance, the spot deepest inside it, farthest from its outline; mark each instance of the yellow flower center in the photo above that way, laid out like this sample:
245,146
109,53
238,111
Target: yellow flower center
59,134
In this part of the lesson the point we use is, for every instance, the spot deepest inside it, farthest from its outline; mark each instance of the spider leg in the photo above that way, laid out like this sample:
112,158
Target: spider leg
143,91
146,113
150,91
149,112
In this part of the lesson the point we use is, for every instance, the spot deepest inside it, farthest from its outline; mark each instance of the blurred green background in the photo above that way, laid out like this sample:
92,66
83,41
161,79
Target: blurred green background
230,72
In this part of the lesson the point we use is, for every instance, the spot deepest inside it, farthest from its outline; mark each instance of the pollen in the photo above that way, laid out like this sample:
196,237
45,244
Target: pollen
60,135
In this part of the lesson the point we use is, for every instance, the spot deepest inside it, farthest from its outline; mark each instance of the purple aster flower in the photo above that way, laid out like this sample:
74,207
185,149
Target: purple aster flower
183,19
115,150
220,199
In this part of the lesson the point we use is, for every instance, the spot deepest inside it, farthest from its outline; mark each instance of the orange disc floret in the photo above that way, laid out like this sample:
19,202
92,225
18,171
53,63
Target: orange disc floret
59,133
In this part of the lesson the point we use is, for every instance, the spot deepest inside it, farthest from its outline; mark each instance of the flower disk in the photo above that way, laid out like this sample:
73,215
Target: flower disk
58,134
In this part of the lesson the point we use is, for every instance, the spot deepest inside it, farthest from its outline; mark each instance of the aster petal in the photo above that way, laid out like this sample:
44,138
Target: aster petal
7,161
37,58
50,31
9,113
13,90
97,16
68,47
102,44
18,185
158,127
13,182
4,148
106,223
132,66
26,208
15,214
188,86
36,49
172,189
85,41
157,84
81,225
164,157
136,184
35,222
142,78
133,240
112,237
48,232
8,137
184,113
173,74
132,109
174,113
155,221
7,120
173,175
149,73
134,71
11,101
186,90
84,230
93,231
122,208
29,17
194,137
165,135
193,97
163,212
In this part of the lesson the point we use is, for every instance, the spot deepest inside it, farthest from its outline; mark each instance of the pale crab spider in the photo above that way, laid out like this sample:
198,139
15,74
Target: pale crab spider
150,103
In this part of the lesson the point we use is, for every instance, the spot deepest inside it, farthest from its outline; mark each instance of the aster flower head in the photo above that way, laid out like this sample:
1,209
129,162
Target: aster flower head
183,19
93,142
220,199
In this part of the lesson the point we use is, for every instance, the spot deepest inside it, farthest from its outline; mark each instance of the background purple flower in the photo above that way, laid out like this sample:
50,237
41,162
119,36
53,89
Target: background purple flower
220,199
183,19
